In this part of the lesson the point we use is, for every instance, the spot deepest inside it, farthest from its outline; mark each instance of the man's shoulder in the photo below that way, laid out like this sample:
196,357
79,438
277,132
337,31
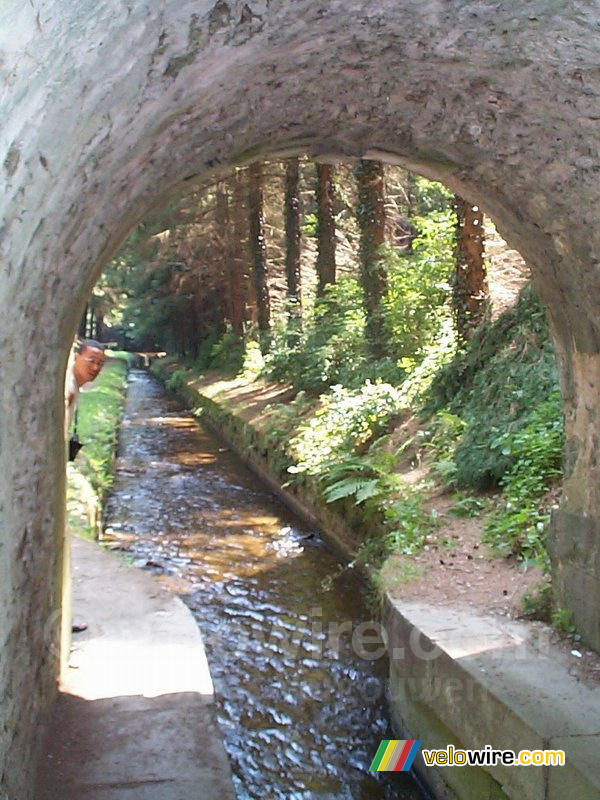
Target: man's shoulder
71,387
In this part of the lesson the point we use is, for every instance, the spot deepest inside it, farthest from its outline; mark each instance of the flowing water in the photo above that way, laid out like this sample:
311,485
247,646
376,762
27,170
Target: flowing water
300,693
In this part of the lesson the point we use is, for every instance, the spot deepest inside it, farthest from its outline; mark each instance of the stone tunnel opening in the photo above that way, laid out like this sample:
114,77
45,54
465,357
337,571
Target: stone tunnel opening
107,113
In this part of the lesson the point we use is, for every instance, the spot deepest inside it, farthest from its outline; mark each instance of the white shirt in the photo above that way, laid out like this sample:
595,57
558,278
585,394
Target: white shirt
71,395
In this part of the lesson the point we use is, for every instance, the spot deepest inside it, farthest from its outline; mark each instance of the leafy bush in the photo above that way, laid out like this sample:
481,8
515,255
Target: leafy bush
227,354
99,413
496,386
430,195
204,351
330,348
519,527
416,304
346,421
415,389
404,525
177,380
253,362
409,523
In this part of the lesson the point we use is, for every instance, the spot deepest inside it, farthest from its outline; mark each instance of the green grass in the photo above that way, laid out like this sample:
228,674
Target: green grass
90,476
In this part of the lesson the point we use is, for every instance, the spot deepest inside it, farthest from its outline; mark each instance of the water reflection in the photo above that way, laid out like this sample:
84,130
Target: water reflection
302,712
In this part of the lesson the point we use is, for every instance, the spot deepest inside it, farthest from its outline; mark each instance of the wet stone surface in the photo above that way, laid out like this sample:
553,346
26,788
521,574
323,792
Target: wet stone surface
301,697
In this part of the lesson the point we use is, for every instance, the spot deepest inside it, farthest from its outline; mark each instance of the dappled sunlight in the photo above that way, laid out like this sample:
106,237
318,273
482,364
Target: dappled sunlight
193,459
173,422
104,667
168,420
228,544
246,398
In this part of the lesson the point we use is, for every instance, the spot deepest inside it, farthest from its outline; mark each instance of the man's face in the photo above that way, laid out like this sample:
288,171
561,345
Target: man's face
88,364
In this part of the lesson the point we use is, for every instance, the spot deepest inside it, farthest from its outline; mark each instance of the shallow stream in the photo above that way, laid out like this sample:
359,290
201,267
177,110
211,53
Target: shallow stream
300,695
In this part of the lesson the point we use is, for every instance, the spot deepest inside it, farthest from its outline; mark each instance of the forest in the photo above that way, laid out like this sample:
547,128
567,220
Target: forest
406,328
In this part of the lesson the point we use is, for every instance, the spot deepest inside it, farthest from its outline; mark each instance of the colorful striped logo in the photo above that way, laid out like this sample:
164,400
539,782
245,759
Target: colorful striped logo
395,755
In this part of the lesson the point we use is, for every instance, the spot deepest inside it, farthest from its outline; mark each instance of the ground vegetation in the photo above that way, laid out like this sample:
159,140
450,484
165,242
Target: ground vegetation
90,476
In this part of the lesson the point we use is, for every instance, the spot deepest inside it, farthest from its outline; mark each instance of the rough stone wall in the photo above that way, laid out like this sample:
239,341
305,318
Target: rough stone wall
107,107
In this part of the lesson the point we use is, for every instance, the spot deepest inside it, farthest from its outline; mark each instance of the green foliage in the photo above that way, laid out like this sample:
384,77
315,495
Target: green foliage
537,602
415,322
495,386
204,351
404,525
221,353
227,354
253,361
562,618
178,380
519,526
338,445
345,421
429,196
329,349
499,423
90,476
310,225
416,304
416,387
360,488
408,522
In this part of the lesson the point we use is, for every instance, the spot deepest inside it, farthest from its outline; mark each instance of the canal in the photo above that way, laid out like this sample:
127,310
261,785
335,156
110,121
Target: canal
298,674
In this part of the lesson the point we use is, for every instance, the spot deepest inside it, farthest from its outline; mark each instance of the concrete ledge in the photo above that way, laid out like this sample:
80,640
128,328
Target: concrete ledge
461,678
135,717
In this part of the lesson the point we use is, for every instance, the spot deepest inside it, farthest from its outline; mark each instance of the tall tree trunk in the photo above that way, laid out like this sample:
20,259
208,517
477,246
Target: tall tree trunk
258,248
91,322
325,228
470,294
82,329
371,221
238,260
224,286
99,331
292,233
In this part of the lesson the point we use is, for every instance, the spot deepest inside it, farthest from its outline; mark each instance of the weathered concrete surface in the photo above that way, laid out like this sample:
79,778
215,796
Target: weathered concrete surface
135,717
470,680
106,108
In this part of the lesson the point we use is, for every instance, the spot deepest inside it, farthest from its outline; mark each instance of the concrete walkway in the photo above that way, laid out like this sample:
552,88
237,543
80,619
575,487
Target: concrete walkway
135,719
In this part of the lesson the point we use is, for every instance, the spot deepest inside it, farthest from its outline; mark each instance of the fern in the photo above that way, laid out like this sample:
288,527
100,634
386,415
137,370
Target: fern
370,489
360,487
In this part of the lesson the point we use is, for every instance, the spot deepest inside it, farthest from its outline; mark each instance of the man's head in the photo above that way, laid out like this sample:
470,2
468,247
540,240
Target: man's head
89,360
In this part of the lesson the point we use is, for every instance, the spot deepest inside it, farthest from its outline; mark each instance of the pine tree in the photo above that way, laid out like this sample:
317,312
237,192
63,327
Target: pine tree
371,220
470,291
325,265
258,248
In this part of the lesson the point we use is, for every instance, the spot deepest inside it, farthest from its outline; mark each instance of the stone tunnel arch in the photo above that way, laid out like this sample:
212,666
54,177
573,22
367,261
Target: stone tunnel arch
108,107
